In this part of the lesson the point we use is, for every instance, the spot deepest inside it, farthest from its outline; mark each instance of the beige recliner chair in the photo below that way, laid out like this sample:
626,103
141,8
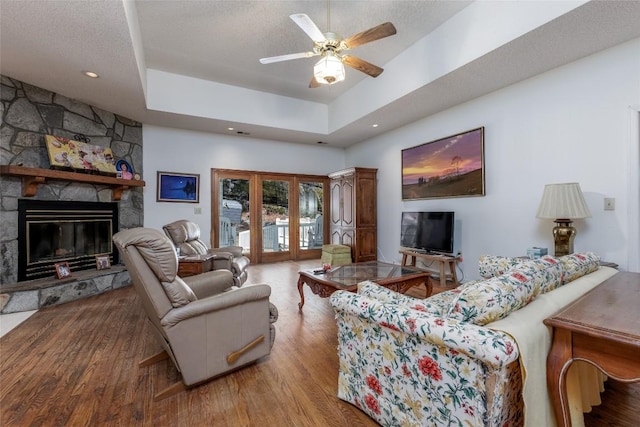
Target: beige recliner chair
206,325
185,235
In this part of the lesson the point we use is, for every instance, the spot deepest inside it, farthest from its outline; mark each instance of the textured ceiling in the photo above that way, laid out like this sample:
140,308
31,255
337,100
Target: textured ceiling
48,43
222,41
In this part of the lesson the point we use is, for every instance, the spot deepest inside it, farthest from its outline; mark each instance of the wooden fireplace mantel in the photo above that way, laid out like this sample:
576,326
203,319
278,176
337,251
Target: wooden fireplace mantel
32,177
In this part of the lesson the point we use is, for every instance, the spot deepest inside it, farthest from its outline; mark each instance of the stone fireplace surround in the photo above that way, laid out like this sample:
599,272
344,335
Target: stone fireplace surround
27,113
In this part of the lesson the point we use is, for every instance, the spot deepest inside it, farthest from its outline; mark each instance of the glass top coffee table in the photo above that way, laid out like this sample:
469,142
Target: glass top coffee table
398,278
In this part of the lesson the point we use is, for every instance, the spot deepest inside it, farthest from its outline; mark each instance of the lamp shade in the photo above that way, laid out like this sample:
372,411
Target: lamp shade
563,201
329,69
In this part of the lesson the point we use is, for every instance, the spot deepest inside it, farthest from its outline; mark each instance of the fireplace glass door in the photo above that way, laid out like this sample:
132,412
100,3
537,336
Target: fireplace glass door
59,231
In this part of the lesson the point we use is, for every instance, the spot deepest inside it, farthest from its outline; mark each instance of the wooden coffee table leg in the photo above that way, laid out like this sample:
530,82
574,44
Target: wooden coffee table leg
300,283
428,287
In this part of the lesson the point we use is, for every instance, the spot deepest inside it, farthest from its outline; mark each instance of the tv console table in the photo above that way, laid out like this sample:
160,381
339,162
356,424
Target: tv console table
444,263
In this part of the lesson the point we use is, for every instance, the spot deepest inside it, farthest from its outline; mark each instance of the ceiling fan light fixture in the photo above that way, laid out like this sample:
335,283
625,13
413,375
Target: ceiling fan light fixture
329,69
331,46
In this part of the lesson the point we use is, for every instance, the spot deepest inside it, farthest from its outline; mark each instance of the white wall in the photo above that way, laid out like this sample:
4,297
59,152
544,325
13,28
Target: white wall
573,123
176,150
570,124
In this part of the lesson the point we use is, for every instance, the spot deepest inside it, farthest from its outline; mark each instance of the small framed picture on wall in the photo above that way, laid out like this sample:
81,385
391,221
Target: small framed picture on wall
178,187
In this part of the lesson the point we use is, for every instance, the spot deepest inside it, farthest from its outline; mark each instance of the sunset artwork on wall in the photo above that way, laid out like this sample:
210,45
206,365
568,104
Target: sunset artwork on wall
448,167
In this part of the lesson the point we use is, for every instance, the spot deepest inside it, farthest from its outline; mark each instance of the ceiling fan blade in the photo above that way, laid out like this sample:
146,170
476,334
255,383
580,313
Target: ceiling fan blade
381,31
313,83
287,57
362,65
308,27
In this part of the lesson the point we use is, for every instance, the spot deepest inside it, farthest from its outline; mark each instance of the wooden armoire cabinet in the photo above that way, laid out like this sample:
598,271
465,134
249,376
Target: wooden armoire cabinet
354,212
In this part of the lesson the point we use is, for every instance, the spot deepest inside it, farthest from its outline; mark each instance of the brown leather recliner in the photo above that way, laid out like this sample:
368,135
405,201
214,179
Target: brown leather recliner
206,325
185,235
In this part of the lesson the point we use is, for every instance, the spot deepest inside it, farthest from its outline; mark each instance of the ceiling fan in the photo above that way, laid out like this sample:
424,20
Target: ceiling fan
330,46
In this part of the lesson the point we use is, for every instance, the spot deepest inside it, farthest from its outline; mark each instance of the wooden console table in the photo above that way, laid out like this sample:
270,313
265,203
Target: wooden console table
195,264
602,328
444,263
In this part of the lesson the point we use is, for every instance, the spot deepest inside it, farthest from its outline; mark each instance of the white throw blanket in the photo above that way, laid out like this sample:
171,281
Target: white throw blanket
534,341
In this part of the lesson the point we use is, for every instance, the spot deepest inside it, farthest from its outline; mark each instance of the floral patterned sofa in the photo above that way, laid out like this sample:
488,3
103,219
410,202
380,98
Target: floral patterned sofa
438,361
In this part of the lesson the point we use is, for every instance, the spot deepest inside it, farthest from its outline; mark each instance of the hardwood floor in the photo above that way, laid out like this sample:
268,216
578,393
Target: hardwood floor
620,406
76,365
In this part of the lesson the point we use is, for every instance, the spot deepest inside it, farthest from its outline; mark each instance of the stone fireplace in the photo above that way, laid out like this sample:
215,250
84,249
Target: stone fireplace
27,114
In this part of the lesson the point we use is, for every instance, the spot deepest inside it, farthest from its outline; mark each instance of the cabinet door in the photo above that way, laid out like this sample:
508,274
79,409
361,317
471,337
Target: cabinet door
336,203
348,237
336,236
348,207
366,248
366,195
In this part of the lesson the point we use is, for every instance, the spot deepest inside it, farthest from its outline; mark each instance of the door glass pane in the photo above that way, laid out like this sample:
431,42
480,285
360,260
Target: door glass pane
275,216
310,215
234,213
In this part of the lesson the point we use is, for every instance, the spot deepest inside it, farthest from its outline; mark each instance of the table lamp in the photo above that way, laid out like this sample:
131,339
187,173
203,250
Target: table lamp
563,203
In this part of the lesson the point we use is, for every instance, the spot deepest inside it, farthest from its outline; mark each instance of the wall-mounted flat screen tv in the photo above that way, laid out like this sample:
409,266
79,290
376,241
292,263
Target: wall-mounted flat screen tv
427,231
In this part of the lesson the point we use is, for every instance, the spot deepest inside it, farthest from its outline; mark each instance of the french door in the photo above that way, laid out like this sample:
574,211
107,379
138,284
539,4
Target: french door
273,216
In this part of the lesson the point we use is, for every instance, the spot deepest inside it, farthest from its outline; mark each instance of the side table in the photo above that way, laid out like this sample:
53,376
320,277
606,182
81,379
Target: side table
191,265
602,328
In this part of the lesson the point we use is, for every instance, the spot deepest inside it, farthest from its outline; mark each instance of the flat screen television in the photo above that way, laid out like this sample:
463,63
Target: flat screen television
427,231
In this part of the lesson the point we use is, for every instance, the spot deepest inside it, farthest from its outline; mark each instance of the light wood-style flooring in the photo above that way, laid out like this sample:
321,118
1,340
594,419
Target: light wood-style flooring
77,365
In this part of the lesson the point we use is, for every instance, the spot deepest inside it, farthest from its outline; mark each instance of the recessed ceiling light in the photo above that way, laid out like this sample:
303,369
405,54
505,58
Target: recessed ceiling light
91,74
230,129
375,125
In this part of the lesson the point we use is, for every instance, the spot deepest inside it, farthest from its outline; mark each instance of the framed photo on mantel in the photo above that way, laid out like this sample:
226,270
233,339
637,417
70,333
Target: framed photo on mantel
447,167
102,262
62,270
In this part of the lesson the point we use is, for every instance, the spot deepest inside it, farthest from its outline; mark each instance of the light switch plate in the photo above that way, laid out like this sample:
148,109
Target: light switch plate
197,211
609,204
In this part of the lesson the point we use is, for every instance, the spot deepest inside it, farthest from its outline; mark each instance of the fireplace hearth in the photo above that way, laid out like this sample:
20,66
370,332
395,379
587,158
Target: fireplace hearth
50,232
